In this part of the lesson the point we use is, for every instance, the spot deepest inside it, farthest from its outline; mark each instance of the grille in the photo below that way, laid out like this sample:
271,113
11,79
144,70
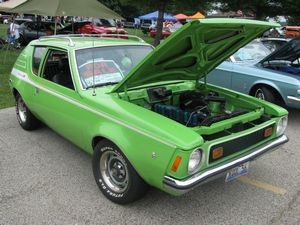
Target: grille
238,144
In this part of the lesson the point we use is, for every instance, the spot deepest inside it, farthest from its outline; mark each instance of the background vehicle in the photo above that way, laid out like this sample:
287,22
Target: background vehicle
291,31
33,30
129,23
145,25
274,43
255,71
96,26
19,21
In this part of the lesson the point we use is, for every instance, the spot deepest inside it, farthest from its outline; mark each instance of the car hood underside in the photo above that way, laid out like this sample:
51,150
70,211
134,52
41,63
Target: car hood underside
194,50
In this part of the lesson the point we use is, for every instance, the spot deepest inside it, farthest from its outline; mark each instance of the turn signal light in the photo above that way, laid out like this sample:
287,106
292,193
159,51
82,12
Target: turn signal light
217,153
268,132
176,163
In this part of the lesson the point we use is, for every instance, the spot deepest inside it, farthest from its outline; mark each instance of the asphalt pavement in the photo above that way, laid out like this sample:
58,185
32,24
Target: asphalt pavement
44,179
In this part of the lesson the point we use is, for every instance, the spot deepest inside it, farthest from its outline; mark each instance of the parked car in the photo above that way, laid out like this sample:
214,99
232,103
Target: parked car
129,23
255,71
165,33
142,113
273,43
4,18
96,26
145,25
33,30
291,31
19,21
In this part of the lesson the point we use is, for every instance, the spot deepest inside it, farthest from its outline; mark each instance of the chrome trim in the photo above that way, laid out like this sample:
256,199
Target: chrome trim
292,99
182,186
72,44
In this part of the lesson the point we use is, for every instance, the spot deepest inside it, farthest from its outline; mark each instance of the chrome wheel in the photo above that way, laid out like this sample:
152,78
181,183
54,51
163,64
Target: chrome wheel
21,110
114,171
260,94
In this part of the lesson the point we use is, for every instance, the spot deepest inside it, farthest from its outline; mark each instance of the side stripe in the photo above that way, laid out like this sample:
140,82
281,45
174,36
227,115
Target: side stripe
24,77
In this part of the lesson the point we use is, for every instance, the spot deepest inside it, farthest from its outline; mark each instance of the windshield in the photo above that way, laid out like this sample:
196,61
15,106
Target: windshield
108,65
255,50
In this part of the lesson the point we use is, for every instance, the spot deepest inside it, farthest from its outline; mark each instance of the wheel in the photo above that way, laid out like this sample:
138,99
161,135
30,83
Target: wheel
115,176
26,119
265,93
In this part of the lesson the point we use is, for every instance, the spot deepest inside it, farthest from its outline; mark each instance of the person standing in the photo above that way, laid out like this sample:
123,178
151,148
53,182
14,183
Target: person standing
14,32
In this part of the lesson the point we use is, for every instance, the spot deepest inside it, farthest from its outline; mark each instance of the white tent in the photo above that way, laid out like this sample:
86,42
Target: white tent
10,4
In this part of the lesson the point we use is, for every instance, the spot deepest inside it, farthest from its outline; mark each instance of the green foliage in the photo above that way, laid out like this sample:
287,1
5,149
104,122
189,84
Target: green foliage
259,8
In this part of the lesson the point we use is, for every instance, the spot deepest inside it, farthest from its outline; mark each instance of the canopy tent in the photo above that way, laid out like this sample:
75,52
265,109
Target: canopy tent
197,15
181,16
154,16
4,6
90,8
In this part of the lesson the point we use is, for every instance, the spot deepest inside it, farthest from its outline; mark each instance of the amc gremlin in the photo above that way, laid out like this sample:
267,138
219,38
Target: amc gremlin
148,116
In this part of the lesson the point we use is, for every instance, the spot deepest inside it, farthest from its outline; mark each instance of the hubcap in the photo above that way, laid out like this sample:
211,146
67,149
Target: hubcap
22,110
114,171
259,94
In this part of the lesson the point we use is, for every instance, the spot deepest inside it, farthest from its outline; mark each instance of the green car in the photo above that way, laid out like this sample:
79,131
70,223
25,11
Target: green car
147,115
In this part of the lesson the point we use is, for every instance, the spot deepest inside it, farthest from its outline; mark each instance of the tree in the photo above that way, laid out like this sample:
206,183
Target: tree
292,10
172,6
259,8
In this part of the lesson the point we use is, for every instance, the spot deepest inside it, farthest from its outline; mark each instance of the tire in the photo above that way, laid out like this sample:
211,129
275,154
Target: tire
25,118
265,93
115,176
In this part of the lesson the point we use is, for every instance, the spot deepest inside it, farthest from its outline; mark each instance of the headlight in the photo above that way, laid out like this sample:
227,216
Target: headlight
282,124
195,161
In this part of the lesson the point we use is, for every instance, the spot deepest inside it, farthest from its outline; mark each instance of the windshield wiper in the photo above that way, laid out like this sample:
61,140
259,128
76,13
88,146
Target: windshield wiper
101,85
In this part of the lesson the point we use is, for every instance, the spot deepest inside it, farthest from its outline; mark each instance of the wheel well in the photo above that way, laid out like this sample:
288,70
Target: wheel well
15,92
96,140
277,94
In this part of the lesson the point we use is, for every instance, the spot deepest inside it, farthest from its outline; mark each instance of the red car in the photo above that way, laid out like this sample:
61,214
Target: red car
165,33
95,26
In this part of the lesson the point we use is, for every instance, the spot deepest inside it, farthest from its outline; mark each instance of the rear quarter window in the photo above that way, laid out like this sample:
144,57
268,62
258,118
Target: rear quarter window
38,53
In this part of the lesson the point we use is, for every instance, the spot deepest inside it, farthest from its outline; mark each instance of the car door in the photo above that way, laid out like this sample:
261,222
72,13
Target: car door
222,75
55,95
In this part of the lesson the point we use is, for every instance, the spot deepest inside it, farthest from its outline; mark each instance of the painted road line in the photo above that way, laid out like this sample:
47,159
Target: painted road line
262,185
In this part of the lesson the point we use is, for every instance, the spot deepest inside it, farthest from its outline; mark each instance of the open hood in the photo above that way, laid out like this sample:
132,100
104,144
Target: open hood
194,50
288,52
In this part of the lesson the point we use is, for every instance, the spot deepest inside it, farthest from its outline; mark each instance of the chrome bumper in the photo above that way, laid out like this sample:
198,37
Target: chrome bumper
178,187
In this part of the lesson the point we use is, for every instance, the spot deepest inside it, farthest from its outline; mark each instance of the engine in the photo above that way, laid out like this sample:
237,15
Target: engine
191,108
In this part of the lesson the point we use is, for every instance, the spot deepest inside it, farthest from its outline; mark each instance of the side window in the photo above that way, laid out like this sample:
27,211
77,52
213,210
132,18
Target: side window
36,59
57,69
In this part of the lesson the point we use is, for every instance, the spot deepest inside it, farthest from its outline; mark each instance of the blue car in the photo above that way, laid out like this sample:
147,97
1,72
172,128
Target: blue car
254,70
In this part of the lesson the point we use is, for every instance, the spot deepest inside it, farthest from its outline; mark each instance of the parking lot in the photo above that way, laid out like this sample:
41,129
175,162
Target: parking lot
44,179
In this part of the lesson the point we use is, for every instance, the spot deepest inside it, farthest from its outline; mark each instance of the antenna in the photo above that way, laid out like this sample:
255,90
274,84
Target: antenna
93,55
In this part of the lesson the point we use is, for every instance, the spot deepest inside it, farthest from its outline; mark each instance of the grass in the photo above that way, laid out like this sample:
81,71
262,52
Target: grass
8,58
140,34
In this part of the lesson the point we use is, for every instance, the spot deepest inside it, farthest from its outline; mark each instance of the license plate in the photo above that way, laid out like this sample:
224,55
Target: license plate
237,172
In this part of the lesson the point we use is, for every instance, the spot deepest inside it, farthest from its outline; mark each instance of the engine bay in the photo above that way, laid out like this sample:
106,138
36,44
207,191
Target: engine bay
192,108
189,107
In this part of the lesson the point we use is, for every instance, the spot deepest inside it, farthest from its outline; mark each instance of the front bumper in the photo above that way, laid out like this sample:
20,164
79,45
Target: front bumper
178,187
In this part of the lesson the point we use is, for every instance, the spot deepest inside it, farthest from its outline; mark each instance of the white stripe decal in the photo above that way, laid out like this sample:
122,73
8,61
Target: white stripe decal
23,76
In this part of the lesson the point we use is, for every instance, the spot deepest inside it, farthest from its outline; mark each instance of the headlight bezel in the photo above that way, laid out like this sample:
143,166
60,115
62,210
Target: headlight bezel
197,166
281,125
